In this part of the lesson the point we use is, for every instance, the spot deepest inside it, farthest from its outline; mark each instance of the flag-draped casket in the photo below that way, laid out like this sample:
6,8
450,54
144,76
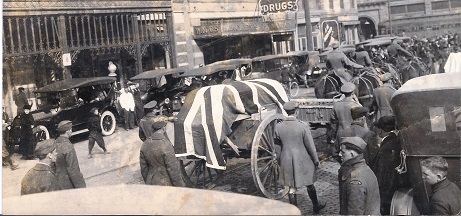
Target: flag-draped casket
208,113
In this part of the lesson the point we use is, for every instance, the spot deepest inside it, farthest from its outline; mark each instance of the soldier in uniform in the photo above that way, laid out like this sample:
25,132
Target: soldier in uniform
397,53
67,168
358,187
337,60
41,178
145,124
381,104
361,56
298,157
341,117
95,132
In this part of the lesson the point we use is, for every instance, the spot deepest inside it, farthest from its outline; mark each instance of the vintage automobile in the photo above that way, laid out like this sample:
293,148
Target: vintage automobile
306,66
428,115
135,199
165,87
72,99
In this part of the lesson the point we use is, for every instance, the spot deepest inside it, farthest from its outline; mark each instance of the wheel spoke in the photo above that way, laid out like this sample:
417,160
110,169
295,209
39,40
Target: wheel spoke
265,177
193,169
265,167
260,147
265,158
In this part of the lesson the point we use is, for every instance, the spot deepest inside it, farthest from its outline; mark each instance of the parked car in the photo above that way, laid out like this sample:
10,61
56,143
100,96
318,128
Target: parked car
306,66
217,72
165,87
72,99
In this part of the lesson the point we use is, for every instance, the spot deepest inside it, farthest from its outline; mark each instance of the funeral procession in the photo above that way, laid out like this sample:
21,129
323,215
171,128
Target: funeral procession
244,107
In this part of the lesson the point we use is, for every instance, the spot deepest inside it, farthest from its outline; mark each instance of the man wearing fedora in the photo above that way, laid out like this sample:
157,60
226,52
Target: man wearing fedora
358,187
341,116
298,156
157,160
22,132
382,95
95,132
67,168
41,178
337,61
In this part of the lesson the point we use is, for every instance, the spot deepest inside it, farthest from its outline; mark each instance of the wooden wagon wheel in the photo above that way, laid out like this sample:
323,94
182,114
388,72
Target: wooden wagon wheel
264,164
197,175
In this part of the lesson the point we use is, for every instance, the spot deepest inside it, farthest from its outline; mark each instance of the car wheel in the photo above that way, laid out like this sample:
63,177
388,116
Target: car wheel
42,133
108,123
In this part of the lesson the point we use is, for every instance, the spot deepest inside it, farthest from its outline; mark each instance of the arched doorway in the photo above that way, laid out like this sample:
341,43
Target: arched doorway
368,29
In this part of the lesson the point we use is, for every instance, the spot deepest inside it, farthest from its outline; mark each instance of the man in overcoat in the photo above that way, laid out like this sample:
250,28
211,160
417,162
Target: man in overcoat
361,56
145,124
358,129
298,157
41,178
20,100
358,187
159,165
382,95
95,132
337,61
341,116
67,168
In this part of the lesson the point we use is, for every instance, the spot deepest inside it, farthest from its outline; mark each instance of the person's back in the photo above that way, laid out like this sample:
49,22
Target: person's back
382,100
341,111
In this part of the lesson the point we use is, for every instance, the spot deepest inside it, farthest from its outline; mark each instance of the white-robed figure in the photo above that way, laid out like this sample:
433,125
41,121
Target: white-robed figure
453,64
128,105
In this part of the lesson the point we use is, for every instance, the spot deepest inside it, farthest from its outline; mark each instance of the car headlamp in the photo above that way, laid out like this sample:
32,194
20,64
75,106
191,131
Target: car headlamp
167,100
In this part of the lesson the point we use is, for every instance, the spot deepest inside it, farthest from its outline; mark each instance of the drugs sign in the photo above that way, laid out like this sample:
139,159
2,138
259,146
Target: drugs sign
276,6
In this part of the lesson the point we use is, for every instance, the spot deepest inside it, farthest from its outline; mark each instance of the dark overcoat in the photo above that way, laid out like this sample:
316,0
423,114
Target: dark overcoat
159,165
40,178
362,58
298,154
382,100
67,168
145,126
21,100
445,198
358,188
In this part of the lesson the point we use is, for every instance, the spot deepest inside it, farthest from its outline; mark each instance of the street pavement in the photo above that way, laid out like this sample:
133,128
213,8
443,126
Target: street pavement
122,167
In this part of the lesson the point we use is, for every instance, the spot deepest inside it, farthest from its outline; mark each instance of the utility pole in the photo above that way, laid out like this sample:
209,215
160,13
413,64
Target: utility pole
389,14
307,17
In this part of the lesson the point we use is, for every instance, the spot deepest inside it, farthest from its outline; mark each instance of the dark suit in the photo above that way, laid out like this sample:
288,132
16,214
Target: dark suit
358,188
159,165
67,168
40,178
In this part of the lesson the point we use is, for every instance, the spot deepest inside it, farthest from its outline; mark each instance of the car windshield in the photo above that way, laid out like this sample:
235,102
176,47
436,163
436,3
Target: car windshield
52,100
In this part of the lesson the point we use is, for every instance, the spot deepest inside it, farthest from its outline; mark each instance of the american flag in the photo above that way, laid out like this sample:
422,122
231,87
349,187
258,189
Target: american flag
208,113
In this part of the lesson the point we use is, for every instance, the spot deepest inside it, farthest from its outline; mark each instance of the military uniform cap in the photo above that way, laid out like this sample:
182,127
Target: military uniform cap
27,106
385,77
44,147
290,105
357,112
335,45
159,122
348,87
150,105
64,126
357,141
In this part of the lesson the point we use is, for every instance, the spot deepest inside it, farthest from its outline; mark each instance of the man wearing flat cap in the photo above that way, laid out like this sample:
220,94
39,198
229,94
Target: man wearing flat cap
337,61
358,129
67,168
358,187
298,156
157,160
41,178
382,95
341,116
22,131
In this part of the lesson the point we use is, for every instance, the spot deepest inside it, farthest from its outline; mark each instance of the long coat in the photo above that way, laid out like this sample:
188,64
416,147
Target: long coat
67,168
382,100
358,188
298,154
159,165
367,135
40,178
21,100
362,58
337,61
341,115
145,126
445,198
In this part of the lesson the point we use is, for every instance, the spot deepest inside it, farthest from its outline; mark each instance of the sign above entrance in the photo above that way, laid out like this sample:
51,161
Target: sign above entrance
277,6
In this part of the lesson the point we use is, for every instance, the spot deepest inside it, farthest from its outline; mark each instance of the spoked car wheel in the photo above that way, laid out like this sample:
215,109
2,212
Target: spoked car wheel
264,159
42,133
108,123
197,175
294,89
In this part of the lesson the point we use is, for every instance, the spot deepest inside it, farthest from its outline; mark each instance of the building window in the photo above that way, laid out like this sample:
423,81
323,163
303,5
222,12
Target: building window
415,8
332,5
440,5
319,4
455,3
352,3
341,4
398,9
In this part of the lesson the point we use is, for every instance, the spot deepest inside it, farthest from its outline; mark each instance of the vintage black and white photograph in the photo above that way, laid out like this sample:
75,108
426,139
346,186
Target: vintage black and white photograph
231,107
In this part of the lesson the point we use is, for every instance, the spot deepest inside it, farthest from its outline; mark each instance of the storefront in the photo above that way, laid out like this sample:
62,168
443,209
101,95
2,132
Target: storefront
42,45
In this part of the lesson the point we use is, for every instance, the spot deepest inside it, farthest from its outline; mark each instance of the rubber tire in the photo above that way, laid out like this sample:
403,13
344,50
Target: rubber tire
45,130
110,115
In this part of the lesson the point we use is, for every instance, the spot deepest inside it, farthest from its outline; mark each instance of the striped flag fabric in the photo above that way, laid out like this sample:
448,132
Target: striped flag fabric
208,113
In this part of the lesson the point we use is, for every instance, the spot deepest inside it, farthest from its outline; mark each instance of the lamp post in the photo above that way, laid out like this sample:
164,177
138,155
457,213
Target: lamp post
389,14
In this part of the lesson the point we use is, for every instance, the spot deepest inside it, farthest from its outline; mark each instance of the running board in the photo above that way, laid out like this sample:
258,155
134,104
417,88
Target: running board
79,132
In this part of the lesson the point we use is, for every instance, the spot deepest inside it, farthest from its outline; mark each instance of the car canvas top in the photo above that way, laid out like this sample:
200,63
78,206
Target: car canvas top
67,84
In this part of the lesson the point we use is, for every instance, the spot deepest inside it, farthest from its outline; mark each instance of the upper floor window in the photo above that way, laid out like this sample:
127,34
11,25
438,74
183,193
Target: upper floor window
332,5
455,3
416,8
440,5
341,4
352,3
398,9
319,4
